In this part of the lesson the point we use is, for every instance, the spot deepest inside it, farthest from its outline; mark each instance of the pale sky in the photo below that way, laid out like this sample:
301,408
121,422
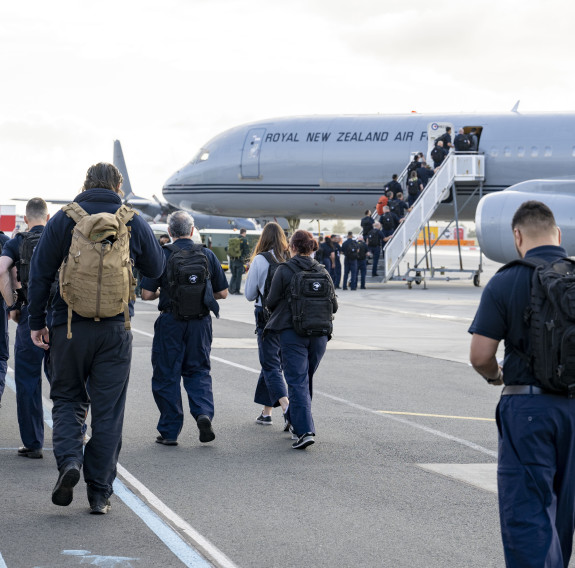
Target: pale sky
166,76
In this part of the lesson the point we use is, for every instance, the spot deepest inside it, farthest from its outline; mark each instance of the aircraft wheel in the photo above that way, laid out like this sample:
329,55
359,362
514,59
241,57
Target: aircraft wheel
476,280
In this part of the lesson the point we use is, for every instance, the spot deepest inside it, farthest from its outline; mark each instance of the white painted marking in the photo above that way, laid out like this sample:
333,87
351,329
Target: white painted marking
432,431
482,475
179,547
202,543
2,563
173,541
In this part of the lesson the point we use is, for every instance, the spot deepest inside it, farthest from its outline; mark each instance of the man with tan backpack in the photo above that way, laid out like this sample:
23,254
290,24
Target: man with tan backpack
100,241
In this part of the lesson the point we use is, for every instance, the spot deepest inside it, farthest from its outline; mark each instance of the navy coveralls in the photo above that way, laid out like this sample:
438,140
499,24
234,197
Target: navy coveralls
362,263
375,249
349,265
4,344
28,361
181,351
92,368
300,355
536,462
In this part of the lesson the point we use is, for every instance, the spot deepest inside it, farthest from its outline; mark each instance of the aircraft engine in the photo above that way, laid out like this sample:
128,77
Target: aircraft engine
495,212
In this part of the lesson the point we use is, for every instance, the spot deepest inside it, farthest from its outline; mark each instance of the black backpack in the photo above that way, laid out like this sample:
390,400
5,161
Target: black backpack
413,186
436,154
273,266
27,245
462,143
373,238
551,320
387,222
187,272
309,295
351,250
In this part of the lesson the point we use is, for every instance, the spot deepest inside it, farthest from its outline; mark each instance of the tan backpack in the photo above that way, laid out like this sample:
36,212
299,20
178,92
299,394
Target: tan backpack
96,279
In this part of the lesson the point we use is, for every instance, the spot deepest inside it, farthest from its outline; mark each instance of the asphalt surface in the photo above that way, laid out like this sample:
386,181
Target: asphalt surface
395,402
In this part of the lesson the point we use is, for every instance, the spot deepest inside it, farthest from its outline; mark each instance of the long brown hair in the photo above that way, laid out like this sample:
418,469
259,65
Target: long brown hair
272,238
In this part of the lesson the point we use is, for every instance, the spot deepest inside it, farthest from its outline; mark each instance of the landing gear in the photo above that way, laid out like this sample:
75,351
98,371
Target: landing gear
476,279
293,224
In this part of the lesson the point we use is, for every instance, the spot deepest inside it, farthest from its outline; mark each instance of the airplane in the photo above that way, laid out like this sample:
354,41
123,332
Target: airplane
337,166
157,211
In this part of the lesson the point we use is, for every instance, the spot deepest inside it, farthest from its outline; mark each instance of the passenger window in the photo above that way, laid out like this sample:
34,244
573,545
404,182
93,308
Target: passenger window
534,151
494,152
520,152
548,152
507,152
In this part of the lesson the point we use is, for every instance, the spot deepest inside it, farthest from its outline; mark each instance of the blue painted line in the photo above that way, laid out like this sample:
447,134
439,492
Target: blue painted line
2,563
177,545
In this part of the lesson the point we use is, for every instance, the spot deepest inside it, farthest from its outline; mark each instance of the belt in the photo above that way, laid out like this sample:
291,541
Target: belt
522,389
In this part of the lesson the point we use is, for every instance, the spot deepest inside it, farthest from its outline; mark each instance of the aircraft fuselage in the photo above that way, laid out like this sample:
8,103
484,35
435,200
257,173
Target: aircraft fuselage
336,166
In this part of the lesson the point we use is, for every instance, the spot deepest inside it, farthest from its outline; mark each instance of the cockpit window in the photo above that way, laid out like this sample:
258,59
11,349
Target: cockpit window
201,156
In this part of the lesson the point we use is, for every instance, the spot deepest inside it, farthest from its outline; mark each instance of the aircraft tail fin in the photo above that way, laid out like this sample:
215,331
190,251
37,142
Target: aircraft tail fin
120,163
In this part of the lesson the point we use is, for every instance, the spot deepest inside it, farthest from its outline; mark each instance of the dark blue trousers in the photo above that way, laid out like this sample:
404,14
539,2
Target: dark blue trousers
375,251
181,351
28,361
90,370
301,357
362,270
536,479
271,385
237,269
350,266
337,273
4,346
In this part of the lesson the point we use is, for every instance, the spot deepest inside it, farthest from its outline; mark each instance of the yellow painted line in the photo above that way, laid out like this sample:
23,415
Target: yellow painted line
436,415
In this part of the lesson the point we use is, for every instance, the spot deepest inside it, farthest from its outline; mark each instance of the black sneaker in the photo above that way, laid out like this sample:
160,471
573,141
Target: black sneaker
264,420
304,441
63,491
205,427
166,441
99,505
25,452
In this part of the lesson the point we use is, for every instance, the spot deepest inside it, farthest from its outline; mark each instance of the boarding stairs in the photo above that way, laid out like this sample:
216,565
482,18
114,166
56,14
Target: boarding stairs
464,167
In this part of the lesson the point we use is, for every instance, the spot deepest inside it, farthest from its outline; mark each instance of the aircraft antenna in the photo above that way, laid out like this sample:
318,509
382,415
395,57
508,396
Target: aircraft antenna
516,106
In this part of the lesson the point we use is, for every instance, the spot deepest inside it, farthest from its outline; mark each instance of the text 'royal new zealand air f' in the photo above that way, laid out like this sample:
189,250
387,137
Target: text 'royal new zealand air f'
337,166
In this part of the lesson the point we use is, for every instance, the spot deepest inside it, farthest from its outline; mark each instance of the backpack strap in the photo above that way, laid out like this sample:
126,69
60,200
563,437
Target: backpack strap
125,213
269,257
74,211
172,247
531,262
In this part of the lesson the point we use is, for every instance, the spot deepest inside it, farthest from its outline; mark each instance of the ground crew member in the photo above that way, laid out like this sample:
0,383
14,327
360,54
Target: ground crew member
99,350
300,355
271,389
181,348
536,461
28,358
237,263
4,345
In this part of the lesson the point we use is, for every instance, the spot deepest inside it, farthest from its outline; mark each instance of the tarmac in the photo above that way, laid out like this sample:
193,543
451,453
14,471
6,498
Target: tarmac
402,473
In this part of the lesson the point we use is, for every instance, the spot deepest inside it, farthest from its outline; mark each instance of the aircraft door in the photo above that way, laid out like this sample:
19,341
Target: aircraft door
434,131
250,166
